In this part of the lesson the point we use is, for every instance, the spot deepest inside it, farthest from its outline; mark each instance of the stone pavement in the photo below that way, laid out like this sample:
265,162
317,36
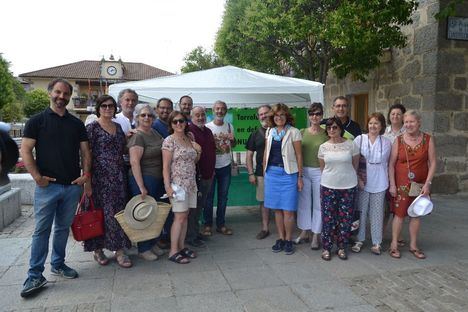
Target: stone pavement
240,273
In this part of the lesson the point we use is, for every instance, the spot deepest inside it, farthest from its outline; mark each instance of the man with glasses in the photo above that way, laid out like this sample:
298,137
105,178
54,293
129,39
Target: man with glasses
164,108
341,110
256,144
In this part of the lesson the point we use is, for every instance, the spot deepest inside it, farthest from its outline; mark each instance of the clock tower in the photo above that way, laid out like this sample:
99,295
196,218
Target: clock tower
112,69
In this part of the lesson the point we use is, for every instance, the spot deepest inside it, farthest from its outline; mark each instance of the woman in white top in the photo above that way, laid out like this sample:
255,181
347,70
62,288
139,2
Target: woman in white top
339,160
376,150
395,118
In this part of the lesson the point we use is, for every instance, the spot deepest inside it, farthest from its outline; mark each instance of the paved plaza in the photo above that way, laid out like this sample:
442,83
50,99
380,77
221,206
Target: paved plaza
240,273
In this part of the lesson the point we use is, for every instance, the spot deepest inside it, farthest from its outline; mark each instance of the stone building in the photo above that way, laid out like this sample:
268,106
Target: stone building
430,74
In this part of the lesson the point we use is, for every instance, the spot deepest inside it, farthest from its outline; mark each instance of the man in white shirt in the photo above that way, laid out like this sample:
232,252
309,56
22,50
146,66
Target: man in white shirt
127,100
223,133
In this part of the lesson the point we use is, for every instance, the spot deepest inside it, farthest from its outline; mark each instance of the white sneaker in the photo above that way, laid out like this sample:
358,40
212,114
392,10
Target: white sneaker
148,256
157,251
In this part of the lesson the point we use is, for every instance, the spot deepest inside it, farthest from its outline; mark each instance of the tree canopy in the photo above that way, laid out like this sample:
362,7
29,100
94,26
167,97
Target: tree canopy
308,37
7,95
200,59
35,101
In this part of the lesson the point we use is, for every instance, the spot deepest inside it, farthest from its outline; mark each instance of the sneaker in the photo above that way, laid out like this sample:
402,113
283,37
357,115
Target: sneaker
148,256
288,247
32,285
158,251
64,271
198,243
278,246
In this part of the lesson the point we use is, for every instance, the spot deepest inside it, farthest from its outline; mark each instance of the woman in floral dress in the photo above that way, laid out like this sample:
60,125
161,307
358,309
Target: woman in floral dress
107,142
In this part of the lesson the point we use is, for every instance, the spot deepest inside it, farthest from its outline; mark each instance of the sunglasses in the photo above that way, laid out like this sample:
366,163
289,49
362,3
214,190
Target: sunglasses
178,121
107,106
146,115
332,127
315,114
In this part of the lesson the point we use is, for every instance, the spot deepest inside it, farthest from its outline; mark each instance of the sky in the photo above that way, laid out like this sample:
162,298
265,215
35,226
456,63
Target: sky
40,34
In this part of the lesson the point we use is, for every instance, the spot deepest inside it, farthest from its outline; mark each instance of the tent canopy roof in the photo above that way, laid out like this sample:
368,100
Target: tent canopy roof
236,86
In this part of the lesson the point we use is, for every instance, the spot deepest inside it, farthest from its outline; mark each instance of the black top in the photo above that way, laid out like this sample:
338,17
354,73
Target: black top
351,126
9,153
57,146
276,157
256,143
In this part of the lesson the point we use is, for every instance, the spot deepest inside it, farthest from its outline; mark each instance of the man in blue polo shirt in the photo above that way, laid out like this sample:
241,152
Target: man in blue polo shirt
58,138
164,108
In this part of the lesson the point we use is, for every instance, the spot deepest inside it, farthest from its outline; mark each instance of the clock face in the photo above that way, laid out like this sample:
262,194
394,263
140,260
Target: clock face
111,70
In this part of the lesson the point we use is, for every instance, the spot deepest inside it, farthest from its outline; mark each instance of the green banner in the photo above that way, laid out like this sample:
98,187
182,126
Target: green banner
245,122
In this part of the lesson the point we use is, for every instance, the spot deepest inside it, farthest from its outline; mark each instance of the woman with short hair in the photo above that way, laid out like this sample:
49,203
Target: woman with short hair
371,199
339,159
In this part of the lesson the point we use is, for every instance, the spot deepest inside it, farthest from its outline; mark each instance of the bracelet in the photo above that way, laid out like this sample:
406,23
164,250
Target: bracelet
301,175
87,174
250,174
429,182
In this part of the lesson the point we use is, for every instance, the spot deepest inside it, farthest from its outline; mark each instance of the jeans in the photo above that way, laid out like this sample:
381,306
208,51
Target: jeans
193,226
222,177
53,204
155,188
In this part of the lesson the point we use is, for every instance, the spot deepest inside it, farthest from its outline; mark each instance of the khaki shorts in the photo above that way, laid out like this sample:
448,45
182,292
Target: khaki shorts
260,186
183,206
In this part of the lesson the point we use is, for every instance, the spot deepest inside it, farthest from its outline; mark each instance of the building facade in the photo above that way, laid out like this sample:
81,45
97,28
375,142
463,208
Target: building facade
430,75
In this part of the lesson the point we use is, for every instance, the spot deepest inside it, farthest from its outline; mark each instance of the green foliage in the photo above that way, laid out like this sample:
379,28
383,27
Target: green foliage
448,9
199,59
7,95
309,37
11,112
35,101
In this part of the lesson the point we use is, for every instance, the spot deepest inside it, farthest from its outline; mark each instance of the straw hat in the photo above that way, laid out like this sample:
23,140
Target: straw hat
140,213
421,206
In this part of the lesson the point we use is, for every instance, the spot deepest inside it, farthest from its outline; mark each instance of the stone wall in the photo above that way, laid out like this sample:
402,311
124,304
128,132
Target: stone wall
430,75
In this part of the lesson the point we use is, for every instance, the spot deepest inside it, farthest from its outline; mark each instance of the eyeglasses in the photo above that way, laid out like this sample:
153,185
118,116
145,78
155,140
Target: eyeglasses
178,121
281,116
315,114
146,115
341,106
332,127
107,106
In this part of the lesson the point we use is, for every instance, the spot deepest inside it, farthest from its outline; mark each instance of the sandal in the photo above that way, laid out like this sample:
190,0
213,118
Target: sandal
401,243
342,254
418,253
187,253
395,253
326,255
178,258
376,249
207,231
357,247
224,230
124,261
100,257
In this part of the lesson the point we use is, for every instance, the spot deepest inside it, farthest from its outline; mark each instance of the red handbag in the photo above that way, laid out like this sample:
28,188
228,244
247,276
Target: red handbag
87,224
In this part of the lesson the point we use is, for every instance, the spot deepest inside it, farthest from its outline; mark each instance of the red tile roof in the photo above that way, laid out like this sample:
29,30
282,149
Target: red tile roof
91,70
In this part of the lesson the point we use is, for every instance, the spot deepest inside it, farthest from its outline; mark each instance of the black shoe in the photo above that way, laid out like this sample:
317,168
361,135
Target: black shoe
32,286
198,243
163,244
64,271
288,247
278,246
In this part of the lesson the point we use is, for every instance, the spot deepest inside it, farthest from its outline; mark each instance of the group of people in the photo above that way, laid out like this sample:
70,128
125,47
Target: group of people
142,151
329,173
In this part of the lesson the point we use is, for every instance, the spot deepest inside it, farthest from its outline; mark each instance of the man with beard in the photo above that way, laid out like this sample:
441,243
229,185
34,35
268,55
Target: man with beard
58,138
163,108
256,143
205,171
185,106
223,133
127,100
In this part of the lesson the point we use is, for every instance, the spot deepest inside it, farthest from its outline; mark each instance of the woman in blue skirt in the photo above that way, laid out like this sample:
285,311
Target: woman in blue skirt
283,174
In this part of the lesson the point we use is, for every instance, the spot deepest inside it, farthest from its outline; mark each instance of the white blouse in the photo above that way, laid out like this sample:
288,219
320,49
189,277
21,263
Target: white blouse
338,172
393,135
377,155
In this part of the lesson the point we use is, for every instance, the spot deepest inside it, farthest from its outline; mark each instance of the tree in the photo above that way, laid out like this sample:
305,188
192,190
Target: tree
199,59
448,9
35,101
11,112
309,37
7,95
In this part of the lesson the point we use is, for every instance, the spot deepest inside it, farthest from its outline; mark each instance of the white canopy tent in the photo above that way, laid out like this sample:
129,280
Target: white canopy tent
236,86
